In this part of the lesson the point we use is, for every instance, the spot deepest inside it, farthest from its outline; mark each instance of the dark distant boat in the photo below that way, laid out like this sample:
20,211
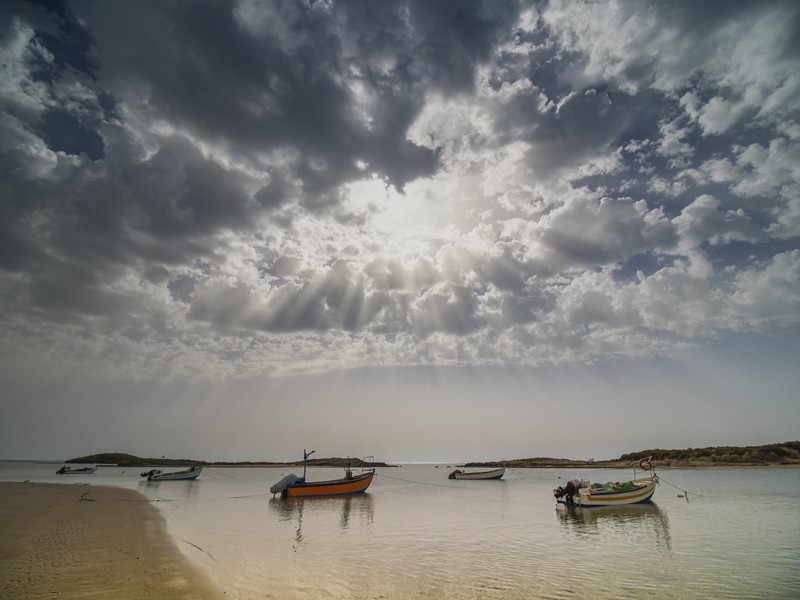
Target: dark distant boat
186,475
293,486
493,474
76,470
586,494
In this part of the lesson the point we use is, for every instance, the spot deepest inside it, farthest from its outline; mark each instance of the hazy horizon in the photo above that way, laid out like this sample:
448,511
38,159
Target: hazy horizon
388,462
417,230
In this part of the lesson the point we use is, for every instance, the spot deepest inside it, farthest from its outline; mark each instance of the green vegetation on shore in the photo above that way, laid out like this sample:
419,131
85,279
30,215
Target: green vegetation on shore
786,453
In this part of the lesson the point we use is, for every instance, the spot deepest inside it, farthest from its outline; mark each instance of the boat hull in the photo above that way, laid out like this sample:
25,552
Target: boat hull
336,487
643,493
493,474
176,476
82,471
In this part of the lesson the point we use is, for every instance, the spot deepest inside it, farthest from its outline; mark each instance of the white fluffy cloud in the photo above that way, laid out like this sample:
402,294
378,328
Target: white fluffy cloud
323,186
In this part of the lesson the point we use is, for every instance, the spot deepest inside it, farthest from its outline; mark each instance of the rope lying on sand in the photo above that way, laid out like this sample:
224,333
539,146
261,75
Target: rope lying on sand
198,547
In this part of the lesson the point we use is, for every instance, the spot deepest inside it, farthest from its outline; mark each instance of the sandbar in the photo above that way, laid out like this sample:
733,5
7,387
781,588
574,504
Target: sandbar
86,541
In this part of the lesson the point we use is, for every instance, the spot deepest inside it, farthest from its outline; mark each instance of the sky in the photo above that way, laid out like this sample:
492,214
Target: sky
473,230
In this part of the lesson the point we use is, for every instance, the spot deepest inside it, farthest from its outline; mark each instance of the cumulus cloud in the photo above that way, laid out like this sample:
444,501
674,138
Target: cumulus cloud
254,188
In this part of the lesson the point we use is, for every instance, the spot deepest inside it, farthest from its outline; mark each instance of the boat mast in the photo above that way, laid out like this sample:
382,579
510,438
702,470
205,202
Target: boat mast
305,461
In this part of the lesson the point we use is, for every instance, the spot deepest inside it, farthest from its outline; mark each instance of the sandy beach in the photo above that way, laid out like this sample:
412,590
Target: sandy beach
79,541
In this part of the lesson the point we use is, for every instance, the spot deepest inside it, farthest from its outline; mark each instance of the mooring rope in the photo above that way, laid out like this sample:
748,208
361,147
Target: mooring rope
529,476
662,480
250,496
455,487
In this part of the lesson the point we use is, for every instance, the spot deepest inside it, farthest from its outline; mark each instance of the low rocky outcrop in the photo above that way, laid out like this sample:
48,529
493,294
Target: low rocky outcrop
786,453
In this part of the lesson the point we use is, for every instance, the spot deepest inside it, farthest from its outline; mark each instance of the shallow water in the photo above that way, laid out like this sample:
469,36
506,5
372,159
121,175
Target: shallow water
417,534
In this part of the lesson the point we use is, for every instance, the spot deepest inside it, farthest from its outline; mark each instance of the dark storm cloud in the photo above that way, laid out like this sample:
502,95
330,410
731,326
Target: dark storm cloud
201,67
179,194
197,66
467,176
16,250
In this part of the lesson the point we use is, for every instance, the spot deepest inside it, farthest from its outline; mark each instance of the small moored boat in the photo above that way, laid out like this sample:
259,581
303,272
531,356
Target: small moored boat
185,475
293,486
586,494
493,474
76,470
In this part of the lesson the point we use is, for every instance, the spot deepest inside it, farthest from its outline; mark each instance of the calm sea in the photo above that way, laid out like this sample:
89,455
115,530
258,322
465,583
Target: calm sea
417,534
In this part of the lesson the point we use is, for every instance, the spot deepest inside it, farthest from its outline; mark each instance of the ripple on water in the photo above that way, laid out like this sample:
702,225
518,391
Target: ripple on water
428,537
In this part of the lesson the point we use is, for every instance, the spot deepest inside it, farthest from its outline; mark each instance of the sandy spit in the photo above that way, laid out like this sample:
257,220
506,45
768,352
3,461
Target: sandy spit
83,541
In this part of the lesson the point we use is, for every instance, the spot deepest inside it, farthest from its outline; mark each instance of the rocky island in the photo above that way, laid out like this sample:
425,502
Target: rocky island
120,459
786,453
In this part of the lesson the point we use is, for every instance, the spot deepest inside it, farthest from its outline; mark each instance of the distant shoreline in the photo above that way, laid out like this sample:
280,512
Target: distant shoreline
128,460
781,454
677,464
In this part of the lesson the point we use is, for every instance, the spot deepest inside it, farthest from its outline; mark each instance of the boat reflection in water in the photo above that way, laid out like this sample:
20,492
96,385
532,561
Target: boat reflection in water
610,522
188,489
315,514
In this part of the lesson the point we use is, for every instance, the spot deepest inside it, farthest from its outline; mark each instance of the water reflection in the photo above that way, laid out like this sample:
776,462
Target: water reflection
356,507
175,490
618,521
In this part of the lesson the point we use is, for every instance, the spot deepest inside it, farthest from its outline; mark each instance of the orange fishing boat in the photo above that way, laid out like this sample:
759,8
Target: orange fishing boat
293,486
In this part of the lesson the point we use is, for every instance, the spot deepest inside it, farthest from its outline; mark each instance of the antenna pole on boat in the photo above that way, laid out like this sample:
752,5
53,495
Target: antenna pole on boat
305,461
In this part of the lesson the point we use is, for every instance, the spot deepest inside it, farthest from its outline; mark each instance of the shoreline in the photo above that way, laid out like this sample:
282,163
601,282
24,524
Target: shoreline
769,455
77,540
657,465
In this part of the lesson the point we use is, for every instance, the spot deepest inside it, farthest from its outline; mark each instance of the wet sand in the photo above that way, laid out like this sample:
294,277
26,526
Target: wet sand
79,541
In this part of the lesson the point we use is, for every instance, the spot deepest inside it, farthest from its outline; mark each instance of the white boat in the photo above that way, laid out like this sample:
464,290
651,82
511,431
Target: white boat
493,474
586,494
635,491
76,470
185,475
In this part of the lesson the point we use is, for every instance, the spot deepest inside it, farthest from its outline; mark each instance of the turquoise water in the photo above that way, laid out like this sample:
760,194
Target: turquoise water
416,534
